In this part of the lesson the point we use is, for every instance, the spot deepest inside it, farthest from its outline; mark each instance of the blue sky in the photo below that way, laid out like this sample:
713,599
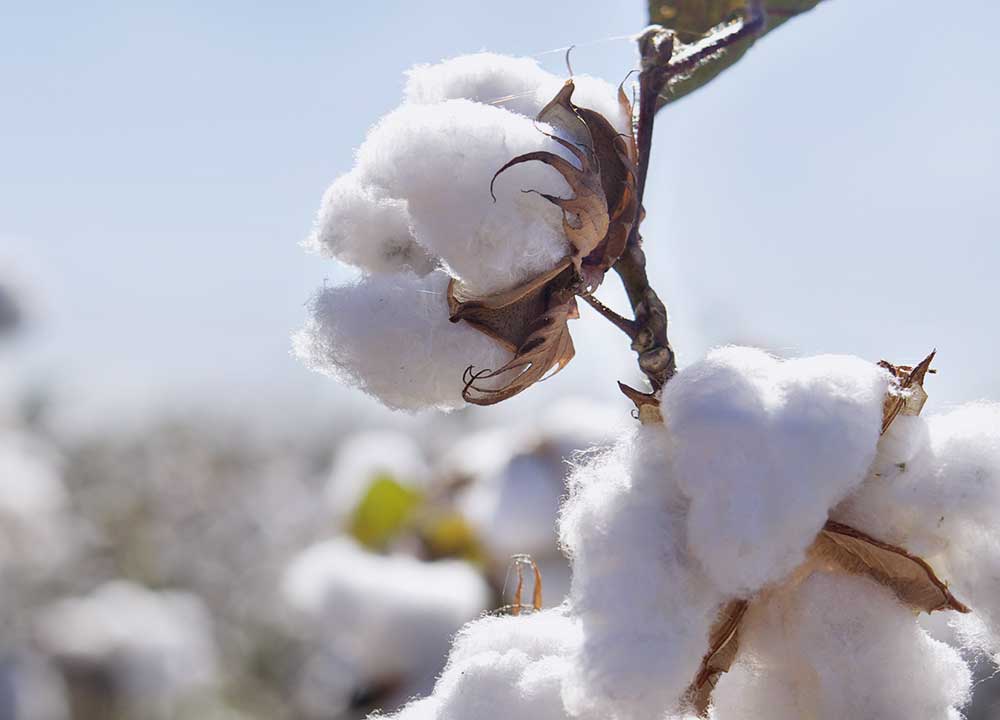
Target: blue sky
837,191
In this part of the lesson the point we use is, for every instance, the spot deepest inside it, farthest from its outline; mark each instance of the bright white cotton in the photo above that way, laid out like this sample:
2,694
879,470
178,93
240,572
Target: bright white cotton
763,448
376,618
504,667
419,198
441,159
157,646
359,225
645,605
839,647
935,490
390,336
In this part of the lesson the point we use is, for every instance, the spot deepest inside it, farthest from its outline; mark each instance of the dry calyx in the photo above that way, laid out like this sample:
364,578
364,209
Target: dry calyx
840,548
531,320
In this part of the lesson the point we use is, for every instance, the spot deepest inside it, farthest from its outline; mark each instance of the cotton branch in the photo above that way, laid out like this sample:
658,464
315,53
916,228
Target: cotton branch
659,65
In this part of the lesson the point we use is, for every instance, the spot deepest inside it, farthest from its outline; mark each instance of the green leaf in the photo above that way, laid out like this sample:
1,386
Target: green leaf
384,511
694,20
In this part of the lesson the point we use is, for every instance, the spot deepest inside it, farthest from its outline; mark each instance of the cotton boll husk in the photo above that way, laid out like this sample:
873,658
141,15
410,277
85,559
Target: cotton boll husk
763,449
379,617
359,226
390,336
644,604
504,667
441,159
591,93
507,82
157,646
840,647
365,457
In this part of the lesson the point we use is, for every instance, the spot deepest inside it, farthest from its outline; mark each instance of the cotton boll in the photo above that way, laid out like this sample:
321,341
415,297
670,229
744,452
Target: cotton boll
365,457
377,618
839,647
157,646
359,226
644,605
390,336
488,78
504,667
763,449
441,159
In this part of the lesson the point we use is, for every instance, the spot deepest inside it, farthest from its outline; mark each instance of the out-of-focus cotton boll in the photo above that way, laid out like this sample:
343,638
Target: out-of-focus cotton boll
31,689
376,620
156,647
644,604
504,667
368,456
34,531
514,510
763,448
441,159
390,336
359,226
508,82
839,647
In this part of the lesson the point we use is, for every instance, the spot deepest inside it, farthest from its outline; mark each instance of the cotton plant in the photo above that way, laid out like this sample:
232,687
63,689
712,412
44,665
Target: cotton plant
764,542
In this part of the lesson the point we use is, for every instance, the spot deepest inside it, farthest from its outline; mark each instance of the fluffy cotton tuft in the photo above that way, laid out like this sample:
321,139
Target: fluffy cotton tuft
839,647
504,667
390,336
417,209
935,490
376,618
763,448
644,604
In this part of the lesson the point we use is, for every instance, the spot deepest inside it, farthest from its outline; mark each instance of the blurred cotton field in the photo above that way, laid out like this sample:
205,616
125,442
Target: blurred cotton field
209,566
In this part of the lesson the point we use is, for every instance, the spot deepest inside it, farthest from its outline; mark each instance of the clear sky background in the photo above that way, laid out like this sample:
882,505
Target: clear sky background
837,191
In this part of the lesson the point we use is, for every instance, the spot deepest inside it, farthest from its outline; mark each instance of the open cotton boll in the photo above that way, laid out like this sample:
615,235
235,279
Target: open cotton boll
379,618
156,646
488,78
441,159
840,647
390,336
359,226
504,667
763,448
365,457
645,606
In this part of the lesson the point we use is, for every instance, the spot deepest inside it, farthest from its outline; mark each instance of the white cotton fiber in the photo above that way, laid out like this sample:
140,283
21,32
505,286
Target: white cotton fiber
507,82
441,159
645,606
157,646
763,448
363,458
390,336
839,647
504,667
360,226
935,490
379,618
